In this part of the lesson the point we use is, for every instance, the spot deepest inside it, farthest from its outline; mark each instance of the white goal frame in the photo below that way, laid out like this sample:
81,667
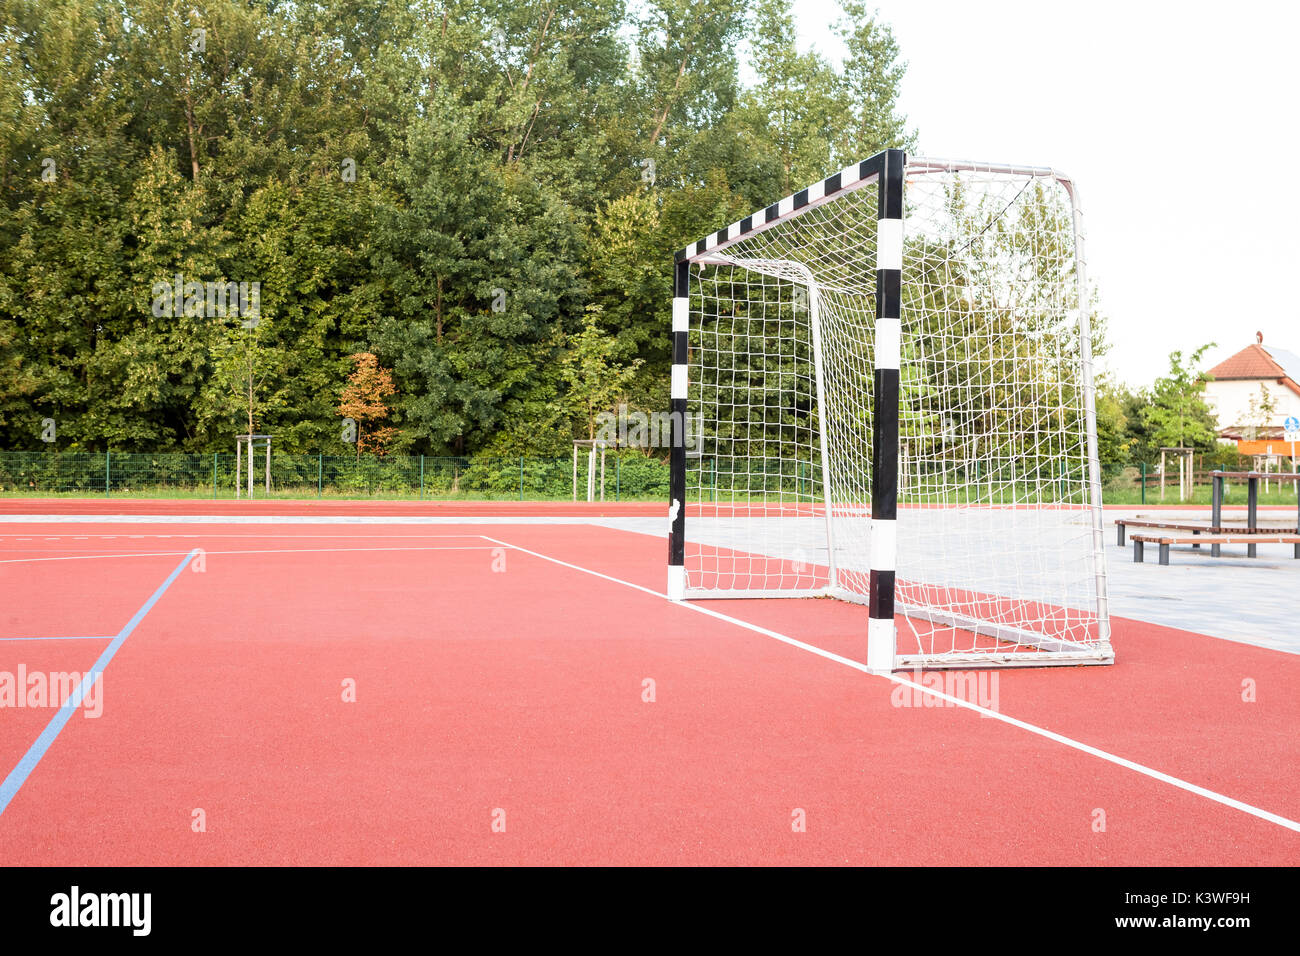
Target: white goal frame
886,173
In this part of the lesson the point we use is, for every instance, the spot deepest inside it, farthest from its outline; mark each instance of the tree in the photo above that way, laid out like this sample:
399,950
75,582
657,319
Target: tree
247,379
1260,412
792,110
869,82
1115,443
451,185
1176,412
595,381
685,69
364,401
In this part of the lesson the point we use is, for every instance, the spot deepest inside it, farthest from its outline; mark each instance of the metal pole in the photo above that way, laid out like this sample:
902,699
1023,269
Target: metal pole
1090,413
268,467
676,436
1144,482
107,472
521,477
421,477
819,378
320,473
250,467
886,376
1216,508
239,465
214,474
1252,509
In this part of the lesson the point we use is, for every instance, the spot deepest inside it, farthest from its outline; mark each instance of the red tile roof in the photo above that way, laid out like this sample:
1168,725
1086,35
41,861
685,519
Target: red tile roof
1251,362
1262,433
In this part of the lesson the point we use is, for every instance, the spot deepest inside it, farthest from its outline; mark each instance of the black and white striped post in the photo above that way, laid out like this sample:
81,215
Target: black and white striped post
677,434
881,637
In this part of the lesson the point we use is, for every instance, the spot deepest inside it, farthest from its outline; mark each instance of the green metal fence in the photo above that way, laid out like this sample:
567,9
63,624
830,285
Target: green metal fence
628,475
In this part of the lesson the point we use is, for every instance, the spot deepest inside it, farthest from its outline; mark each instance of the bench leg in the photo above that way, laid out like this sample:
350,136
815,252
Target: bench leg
1164,554
1250,550
1196,545
1137,551
1214,550
1119,533
1297,551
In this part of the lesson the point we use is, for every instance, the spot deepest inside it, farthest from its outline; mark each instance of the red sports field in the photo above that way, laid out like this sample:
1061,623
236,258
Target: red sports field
463,692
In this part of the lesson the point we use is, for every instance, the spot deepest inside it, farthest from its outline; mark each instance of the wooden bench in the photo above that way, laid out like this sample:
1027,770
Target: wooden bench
1196,528
1252,497
1252,539
1213,532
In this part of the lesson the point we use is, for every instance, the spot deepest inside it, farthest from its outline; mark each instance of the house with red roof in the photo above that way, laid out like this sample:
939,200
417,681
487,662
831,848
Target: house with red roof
1244,387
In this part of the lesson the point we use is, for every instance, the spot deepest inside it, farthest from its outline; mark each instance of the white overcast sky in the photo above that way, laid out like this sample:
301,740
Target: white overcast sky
1179,121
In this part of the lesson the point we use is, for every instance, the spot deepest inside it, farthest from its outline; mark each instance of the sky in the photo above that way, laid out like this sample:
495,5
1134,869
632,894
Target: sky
1180,123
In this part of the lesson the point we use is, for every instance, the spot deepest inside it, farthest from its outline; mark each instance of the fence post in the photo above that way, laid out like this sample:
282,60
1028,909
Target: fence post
108,473
320,472
521,477
214,474
421,477
1144,482
618,477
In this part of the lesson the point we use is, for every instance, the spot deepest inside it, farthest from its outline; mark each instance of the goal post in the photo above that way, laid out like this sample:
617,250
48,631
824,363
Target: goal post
594,449
936,305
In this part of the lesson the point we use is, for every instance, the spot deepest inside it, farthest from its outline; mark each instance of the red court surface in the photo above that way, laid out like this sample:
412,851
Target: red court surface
496,684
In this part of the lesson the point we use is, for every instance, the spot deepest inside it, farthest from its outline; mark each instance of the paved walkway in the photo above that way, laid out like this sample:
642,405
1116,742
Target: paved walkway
1252,600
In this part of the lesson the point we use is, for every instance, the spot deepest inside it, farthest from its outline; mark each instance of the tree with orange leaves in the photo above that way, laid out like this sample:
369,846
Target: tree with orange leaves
363,401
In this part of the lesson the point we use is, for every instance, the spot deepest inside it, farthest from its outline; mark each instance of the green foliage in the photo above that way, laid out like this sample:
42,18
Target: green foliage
595,382
464,188
1115,440
1260,411
1176,415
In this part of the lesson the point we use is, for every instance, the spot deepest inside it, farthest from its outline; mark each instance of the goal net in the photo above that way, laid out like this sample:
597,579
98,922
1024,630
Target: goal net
891,377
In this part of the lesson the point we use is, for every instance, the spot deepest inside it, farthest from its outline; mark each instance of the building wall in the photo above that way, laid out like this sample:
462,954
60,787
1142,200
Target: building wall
1272,446
1231,400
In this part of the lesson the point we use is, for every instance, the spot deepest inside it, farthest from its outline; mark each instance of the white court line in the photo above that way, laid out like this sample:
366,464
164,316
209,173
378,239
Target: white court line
62,637
159,554
957,701
305,519
250,534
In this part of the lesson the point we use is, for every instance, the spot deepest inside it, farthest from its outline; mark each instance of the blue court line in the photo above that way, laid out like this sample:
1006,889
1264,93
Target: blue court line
18,776
61,637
